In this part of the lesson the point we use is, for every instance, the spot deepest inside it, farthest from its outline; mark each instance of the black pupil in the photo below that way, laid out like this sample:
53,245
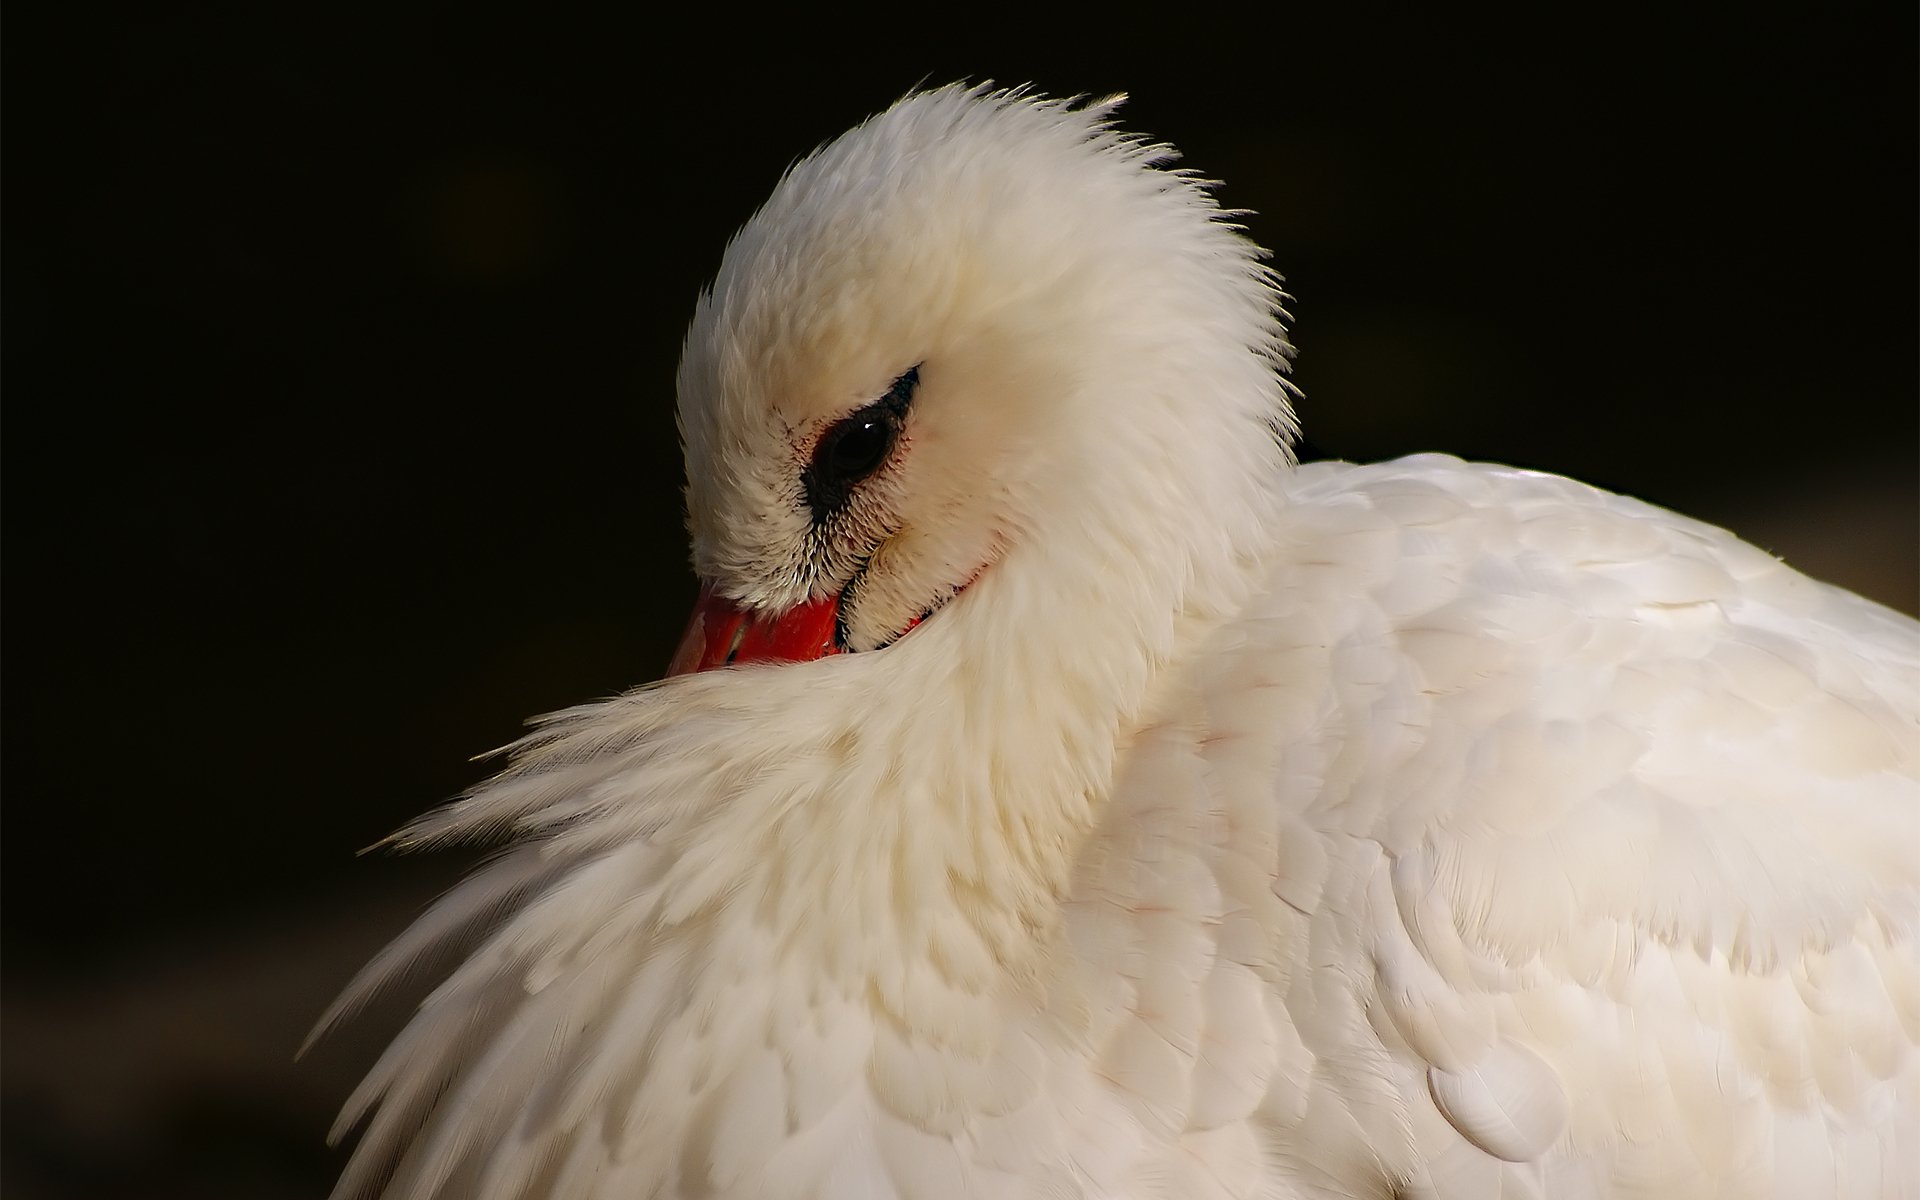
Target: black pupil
856,447
859,443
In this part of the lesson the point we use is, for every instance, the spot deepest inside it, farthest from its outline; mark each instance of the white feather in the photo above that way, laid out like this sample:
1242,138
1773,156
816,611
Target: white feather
1231,830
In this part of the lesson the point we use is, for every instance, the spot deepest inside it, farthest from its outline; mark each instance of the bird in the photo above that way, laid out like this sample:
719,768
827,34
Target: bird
1060,791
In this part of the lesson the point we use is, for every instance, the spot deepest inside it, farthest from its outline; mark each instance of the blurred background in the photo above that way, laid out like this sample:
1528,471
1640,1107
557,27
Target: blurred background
338,356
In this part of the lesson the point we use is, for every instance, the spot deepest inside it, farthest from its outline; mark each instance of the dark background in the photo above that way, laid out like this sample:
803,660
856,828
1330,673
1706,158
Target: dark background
338,361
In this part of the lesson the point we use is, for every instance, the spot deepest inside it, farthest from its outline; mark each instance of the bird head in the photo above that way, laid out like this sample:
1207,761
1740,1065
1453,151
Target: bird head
982,339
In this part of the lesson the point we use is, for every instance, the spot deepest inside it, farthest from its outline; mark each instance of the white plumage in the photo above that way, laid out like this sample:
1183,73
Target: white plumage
1229,829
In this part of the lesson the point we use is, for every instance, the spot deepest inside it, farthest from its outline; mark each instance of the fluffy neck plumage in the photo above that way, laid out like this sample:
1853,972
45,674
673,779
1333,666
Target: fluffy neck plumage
958,773
955,775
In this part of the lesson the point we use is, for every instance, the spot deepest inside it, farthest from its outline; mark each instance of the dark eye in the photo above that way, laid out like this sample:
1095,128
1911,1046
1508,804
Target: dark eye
856,446
853,448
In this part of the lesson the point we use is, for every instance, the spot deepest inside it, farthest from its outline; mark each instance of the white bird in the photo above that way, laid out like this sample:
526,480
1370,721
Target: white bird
1100,805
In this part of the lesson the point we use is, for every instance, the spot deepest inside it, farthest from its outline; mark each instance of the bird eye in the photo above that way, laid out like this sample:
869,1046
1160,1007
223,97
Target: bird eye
857,445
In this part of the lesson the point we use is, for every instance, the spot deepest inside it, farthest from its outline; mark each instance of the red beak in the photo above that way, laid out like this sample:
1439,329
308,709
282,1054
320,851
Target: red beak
722,633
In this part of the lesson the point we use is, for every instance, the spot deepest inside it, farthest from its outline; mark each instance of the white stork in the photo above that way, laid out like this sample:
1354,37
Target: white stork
1098,805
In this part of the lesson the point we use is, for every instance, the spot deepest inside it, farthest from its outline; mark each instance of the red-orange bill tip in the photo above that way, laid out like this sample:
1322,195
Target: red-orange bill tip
721,633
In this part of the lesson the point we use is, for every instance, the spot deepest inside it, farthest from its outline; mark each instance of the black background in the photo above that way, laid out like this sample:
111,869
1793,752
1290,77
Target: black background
338,410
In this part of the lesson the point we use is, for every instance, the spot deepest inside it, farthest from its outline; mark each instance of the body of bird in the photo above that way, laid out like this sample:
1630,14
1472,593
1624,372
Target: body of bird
1119,810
